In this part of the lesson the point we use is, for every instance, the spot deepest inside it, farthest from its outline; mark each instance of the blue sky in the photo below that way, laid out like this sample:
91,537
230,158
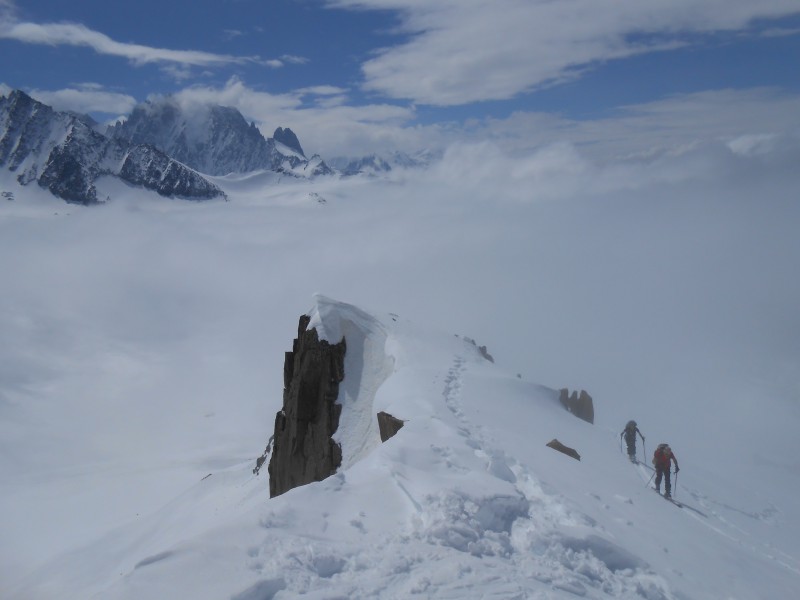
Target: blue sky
354,76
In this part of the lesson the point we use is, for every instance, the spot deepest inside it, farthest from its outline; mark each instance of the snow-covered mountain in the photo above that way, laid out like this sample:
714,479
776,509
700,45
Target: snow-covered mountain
379,164
215,140
144,360
64,153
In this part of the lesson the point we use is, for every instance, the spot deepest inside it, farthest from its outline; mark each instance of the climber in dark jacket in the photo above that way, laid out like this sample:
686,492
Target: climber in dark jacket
630,432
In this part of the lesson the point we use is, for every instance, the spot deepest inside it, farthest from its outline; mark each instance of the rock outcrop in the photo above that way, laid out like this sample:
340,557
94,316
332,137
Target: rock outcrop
388,425
556,445
150,168
580,405
304,450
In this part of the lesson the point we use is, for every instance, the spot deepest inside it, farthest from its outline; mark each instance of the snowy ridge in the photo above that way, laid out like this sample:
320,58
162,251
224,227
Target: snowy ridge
366,367
465,501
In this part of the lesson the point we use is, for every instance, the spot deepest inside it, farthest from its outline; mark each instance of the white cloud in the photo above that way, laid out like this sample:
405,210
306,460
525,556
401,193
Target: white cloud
230,34
7,9
780,32
462,51
322,90
646,130
328,129
178,72
754,144
87,98
295,60
251,103
561,171
73,34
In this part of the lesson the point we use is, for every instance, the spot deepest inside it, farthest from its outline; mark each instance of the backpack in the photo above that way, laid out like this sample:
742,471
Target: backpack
662,454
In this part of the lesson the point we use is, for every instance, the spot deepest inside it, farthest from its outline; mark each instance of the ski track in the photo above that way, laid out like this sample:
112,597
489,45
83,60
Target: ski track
717,522
536,550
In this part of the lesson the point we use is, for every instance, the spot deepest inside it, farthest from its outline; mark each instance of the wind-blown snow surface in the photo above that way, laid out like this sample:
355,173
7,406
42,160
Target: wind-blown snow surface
141,368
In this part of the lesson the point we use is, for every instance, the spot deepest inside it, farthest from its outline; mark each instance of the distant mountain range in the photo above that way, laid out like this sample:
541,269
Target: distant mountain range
65,154
215,140
163,145
375,165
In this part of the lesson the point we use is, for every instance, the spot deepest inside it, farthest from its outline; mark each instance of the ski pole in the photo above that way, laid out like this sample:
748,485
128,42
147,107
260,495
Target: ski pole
675,487
649,480
644,450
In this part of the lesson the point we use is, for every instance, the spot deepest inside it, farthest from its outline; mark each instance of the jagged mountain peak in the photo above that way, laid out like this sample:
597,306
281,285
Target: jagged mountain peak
288,138
212,139
64,153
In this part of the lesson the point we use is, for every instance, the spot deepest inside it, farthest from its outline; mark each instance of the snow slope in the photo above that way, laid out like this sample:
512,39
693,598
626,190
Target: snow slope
141,368
466,501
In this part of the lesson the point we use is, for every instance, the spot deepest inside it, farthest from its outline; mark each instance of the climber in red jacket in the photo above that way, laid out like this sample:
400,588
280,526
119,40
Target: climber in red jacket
661,459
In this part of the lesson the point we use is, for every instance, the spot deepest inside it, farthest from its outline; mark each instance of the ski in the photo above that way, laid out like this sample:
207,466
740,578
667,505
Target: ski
680,504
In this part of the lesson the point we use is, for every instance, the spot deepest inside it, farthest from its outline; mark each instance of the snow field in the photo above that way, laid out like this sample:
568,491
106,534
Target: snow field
143,344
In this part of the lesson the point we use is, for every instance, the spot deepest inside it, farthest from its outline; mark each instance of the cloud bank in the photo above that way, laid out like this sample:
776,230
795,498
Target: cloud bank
463,51
748,120
327,125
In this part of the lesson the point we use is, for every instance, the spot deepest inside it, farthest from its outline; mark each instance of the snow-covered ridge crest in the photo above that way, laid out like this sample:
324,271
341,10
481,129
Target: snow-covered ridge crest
330,318
366,367
464,502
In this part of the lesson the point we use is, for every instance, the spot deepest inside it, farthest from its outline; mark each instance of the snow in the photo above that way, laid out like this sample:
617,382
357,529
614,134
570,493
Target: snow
287,151
367,367
141,369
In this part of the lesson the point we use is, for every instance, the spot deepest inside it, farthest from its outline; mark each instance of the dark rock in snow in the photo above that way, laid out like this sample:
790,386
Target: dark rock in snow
148,167
579,405
304,450
264,456
388,425
556,445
